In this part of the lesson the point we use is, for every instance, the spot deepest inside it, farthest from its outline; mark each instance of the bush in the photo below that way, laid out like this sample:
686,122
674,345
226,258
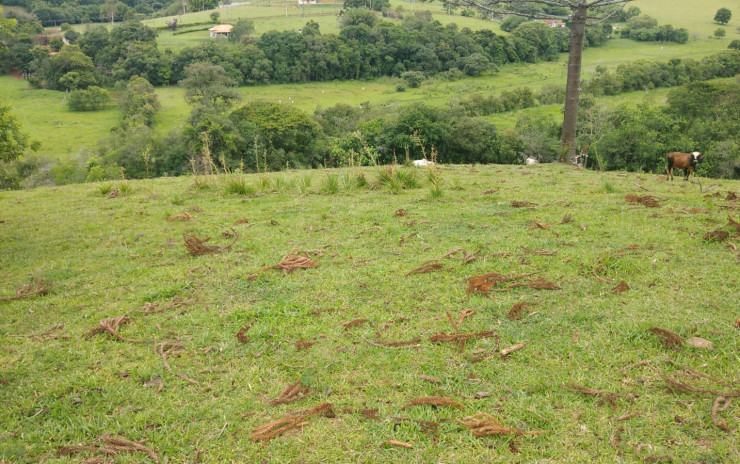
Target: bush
413,78
90,99
400,87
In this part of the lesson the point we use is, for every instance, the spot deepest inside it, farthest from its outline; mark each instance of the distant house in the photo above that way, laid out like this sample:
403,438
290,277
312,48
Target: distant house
222,30
554,23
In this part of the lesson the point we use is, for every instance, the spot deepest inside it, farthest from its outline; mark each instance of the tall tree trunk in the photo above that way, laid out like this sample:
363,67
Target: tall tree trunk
573,86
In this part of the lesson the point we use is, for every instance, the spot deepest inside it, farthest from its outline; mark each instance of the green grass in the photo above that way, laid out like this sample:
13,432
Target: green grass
62,133
106,257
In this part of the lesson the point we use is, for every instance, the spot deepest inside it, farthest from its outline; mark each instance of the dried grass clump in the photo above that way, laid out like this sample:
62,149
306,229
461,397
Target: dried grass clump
516,311
111,326
648,201
485,283
434,401
483,425
676,384
181,217
717,235
522,204
354,323
110,446
465,257
732,223
294,420
293,392
604,398
196,246
301,345
34,287
241,335
621,287
429,266
46,335
296,259
165,349
669,339
539,252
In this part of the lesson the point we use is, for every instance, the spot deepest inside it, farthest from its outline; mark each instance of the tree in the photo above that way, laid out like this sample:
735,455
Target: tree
90,99
13,140
207,84
214,16
582,12
734,45
722,16
720,32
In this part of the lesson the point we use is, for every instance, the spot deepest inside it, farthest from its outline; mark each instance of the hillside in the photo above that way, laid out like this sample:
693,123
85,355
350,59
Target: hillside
383,329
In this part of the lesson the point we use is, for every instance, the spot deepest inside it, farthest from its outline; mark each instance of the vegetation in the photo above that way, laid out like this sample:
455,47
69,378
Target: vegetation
225,334
722,16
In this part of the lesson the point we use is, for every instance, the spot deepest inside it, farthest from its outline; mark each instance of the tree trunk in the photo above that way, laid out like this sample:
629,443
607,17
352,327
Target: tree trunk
573,86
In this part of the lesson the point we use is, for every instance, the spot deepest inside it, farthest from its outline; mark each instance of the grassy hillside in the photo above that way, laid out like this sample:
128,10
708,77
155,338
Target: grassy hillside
222,335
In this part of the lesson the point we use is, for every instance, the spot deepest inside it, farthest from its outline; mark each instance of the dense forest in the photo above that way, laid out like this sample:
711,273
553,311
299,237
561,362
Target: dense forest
126,59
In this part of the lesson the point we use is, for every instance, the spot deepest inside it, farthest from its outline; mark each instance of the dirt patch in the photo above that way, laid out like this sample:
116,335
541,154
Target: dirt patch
296,259
294,420
34,287
483,425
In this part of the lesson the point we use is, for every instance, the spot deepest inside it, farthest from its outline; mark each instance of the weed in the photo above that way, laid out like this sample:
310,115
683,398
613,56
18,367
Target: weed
280,184
238,185
609,187
331,186
105,189
304,184
177,200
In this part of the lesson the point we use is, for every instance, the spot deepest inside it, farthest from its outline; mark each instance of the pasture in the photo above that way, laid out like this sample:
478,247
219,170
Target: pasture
587,341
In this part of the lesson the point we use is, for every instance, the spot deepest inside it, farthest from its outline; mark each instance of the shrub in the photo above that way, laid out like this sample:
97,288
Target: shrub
90,99
413,78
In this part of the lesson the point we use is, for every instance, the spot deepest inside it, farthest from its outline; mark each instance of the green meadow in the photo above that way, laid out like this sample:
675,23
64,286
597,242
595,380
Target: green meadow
606,333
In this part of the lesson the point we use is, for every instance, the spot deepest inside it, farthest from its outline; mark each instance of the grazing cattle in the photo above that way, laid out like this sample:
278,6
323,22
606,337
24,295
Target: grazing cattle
685,161
530,161
422,162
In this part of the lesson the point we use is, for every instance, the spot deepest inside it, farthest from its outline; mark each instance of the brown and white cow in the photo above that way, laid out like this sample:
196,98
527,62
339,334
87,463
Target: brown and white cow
685,161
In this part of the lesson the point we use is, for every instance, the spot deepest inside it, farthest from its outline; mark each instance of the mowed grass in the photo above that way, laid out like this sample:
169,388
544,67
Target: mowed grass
107,257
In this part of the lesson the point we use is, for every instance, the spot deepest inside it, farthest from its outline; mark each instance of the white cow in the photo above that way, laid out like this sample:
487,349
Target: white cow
423,162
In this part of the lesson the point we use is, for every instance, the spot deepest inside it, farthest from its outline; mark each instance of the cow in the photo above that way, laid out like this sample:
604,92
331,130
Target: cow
685,161
529,161
422,162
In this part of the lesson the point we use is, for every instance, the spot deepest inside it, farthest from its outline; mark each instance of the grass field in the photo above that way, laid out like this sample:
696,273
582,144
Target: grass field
223,335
